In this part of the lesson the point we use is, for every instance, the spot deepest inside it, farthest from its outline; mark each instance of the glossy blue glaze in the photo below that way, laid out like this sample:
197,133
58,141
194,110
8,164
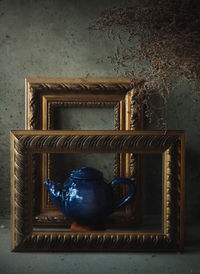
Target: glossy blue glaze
85,197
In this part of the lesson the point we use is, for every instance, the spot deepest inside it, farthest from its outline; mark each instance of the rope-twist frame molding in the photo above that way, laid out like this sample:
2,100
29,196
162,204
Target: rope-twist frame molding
23,146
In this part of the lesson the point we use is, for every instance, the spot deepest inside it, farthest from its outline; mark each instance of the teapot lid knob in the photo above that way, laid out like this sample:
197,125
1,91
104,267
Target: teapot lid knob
88,173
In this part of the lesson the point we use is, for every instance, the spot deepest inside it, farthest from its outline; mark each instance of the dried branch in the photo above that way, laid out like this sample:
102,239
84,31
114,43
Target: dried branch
159,41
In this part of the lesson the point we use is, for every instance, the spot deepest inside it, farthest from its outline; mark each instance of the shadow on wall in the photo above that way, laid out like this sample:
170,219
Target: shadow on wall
192,186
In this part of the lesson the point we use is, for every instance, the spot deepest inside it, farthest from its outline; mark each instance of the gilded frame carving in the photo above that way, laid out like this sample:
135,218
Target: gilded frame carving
43,95
40,92
25,144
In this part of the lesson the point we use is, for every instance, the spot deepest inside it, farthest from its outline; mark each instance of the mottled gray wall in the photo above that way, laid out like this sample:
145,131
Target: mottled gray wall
51,39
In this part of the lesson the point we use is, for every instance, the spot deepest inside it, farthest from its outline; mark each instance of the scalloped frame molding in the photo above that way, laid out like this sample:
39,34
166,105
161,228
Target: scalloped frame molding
24,144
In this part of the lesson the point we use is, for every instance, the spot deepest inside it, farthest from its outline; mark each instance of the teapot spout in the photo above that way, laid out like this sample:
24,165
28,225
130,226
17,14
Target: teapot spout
48,183
52,186
55,192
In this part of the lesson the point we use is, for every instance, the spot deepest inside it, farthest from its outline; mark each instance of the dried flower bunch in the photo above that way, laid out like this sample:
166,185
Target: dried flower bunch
159,42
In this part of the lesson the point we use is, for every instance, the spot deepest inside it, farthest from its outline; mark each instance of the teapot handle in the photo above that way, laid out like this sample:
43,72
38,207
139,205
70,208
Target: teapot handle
131,186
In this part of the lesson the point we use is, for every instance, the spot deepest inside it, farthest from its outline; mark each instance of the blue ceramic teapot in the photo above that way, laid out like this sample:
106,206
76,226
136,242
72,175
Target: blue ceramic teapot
85,197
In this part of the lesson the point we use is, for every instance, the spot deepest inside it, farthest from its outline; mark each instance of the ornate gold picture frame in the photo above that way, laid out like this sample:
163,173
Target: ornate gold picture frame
27,237
45,95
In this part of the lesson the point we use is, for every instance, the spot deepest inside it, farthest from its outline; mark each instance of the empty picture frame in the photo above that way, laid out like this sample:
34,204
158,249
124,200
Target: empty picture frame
26,144
43,95
46,97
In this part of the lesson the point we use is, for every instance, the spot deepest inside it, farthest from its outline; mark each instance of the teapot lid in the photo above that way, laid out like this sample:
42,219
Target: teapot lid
86,173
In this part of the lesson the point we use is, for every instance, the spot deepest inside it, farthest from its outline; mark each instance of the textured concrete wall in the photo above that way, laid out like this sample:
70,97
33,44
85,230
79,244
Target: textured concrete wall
51,39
